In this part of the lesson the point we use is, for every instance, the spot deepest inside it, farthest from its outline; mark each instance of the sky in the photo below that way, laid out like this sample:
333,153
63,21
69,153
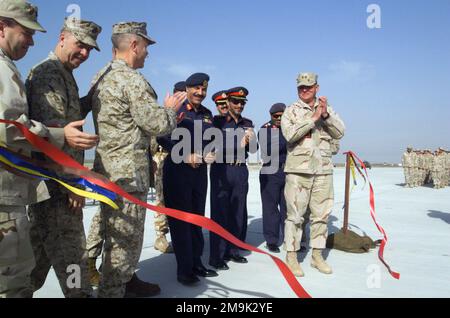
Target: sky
390,85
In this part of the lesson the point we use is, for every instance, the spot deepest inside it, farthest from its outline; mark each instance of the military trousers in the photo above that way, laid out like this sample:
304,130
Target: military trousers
185,189
16,255
95,239
408,176
124,236
273,206
58,240
303,191
229,189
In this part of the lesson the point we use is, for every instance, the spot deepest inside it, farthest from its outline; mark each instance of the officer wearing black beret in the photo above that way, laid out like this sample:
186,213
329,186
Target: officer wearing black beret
229,179
272,178
185,184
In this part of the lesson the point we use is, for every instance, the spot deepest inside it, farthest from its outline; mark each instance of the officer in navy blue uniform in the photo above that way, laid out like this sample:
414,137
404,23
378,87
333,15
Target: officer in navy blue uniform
273,179
185,184
220,99
229,179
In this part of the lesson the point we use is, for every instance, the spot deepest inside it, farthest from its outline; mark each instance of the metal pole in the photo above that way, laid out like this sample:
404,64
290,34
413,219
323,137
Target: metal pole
347,193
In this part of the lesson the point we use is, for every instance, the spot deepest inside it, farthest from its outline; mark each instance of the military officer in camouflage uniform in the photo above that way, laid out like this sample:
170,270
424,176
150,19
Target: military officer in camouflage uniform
309,125
18,23
95,239
407,166
126,115
416,170
57,231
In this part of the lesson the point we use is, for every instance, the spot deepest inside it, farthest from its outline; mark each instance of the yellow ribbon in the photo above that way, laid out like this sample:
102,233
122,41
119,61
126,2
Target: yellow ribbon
79,192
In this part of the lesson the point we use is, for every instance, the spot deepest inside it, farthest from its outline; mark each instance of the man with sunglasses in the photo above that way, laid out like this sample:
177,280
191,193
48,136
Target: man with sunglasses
272,178
229,179
309,126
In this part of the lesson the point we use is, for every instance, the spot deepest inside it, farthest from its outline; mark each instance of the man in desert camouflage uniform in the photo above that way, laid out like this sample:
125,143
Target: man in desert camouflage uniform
18,23
309,125
417,170
407,167
126,115
96,238
428,166
57,231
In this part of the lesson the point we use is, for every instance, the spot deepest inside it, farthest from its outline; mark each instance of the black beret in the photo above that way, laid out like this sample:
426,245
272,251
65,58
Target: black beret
238,93
198,79
277,108
179,87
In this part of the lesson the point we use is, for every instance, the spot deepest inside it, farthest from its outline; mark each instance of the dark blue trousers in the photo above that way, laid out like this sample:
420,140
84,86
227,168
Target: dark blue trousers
229,189
185,189
274,206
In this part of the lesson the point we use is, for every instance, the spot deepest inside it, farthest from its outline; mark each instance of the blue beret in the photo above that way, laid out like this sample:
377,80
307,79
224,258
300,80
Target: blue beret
238,93
198,79
179,87
277,108
220,97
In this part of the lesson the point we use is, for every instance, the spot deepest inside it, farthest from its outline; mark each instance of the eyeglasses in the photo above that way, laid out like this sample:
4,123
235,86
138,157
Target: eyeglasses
275,116
238,101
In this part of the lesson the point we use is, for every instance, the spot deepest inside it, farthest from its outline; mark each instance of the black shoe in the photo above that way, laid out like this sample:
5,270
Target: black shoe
136,288
188,280
239,259
273,248
227,258
202,271
222,266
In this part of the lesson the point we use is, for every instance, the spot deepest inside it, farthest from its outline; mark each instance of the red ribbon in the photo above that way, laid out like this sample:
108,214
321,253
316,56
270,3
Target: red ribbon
372,213
64,160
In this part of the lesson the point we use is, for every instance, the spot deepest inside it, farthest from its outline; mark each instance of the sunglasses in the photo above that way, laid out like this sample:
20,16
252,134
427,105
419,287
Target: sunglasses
277,116
238,101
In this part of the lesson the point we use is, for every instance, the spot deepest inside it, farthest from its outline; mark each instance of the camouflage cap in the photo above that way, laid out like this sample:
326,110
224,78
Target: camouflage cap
22,12
84,31
307,79
139,28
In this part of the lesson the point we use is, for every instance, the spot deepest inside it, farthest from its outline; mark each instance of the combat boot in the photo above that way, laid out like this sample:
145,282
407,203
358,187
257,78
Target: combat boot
94,275
162,245
318,262
294,266
136,288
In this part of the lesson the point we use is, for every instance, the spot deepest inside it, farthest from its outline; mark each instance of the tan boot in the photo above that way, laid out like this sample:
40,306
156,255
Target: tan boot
162,245
318,262
94,275
294,266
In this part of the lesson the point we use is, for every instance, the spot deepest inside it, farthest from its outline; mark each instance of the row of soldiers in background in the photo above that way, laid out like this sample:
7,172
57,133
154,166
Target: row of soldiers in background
423,167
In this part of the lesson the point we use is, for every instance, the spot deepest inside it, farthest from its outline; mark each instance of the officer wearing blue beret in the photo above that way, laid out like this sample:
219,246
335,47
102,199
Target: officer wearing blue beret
185,184
229,179
220,99
272,178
